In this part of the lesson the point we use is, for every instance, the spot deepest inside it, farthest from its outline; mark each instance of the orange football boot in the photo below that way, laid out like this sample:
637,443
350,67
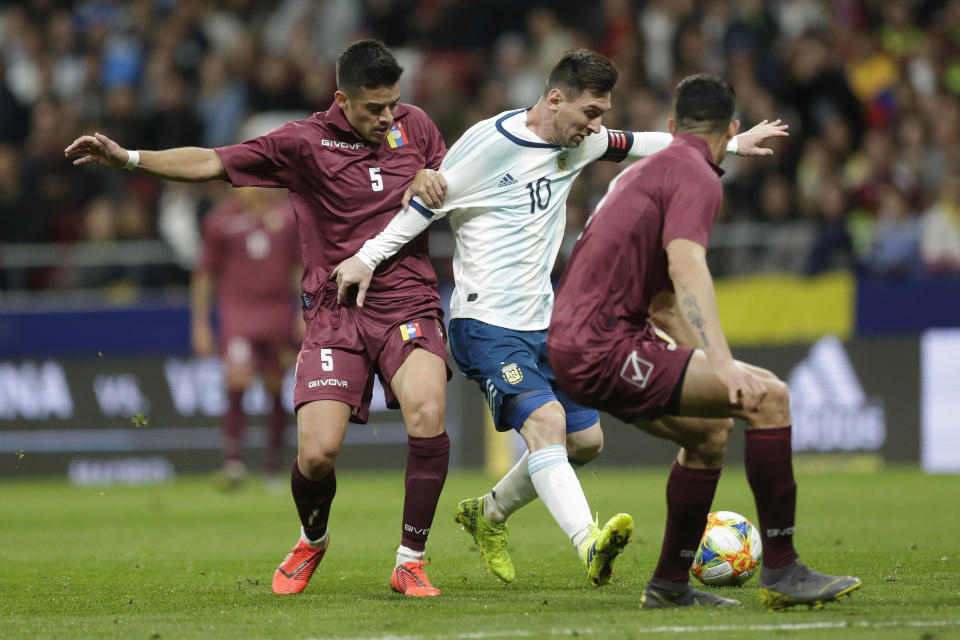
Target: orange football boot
410,580
293,574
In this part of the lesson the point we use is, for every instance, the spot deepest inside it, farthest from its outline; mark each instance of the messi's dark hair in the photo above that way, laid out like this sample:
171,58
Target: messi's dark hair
703,102
580,70
366,64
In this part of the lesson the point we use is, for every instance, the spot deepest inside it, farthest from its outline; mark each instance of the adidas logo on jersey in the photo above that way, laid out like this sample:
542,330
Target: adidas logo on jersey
506,181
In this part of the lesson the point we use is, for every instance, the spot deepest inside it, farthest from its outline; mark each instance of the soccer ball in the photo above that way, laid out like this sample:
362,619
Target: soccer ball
729,552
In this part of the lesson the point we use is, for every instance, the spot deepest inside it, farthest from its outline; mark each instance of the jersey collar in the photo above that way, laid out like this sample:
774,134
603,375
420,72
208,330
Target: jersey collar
516,139
700,145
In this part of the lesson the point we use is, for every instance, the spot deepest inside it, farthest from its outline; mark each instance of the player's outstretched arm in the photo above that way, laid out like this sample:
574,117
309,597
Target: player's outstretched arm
697,307
183,164
749,142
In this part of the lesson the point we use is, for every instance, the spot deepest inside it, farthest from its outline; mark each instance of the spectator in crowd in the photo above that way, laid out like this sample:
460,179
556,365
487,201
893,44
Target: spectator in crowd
832,246
874,86
896,237
940,237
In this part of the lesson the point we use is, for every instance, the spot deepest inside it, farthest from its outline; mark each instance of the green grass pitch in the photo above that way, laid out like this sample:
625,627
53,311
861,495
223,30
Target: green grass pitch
184,561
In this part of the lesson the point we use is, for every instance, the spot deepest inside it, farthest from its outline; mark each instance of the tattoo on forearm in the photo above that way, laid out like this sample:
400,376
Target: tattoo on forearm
695,317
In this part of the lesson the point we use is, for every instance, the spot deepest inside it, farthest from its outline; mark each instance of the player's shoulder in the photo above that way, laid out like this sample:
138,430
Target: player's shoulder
316,123
313,121
490,129
685,161
413,116
411,111
485,140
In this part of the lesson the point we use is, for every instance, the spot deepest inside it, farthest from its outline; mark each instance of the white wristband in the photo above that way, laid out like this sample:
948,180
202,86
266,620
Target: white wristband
733,145
133,159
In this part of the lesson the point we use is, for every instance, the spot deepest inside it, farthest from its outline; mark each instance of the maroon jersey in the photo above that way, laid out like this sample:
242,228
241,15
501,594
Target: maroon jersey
252,260
345,190
620,262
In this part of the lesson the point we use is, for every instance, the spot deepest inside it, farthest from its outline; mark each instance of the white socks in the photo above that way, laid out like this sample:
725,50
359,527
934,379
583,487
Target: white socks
406,554
512,492
560,490
320,543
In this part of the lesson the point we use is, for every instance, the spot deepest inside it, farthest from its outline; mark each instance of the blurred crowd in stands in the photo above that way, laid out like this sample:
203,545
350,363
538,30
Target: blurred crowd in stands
869,179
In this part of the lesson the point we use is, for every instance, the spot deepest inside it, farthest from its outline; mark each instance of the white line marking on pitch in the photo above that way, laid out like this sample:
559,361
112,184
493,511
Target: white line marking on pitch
795,626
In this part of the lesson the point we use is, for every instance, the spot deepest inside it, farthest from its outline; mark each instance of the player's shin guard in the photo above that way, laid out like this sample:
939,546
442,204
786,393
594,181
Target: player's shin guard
769,466
689,496
427,460
313,499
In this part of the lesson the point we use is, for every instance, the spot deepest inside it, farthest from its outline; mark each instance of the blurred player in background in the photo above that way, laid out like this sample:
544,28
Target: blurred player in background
251,261
508,179
644,251
348,170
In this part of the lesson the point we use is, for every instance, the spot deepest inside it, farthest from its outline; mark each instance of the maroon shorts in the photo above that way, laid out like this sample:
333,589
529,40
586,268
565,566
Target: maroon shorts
345,346
635,378
266,355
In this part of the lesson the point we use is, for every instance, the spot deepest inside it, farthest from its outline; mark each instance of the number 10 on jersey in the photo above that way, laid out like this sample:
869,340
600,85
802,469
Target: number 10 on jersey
537,199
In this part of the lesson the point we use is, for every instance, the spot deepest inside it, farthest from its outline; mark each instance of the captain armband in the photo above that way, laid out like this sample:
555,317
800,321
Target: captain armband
618,145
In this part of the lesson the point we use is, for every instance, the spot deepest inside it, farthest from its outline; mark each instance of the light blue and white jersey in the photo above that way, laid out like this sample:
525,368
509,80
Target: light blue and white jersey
506,201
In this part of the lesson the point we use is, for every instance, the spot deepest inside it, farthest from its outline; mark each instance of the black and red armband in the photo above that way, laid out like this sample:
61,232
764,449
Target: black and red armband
618,145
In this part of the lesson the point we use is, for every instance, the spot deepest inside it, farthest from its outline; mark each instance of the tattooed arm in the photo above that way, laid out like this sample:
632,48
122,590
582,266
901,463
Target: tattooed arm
696,301
696,306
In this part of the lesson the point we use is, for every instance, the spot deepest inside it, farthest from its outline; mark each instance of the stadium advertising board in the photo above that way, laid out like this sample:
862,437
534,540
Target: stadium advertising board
80,416
853,397
940,403
139,419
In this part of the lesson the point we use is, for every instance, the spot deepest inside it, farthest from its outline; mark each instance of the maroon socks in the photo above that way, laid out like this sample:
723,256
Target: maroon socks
689,496
427,460
313,499
276,421
769,465
233,422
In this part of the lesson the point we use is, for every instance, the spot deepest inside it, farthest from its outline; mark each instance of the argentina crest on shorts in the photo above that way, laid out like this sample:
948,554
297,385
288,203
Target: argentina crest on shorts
512,373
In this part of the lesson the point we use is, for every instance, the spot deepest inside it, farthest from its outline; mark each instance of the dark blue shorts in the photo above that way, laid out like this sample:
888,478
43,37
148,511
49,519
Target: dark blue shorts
512,370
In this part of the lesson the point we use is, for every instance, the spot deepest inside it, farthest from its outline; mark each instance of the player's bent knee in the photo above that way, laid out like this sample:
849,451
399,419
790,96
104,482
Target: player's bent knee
316,464
710,446
425,418
584,446
715,446
775,408
545,426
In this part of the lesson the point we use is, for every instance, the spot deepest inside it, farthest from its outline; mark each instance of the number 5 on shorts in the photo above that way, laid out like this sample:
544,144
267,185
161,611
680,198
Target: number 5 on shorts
326,359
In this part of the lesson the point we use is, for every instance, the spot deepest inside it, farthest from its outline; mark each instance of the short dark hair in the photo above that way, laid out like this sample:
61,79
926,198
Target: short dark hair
703,102
367,64
580,70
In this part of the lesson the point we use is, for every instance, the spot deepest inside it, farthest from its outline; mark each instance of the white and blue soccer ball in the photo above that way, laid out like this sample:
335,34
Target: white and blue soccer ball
730,550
